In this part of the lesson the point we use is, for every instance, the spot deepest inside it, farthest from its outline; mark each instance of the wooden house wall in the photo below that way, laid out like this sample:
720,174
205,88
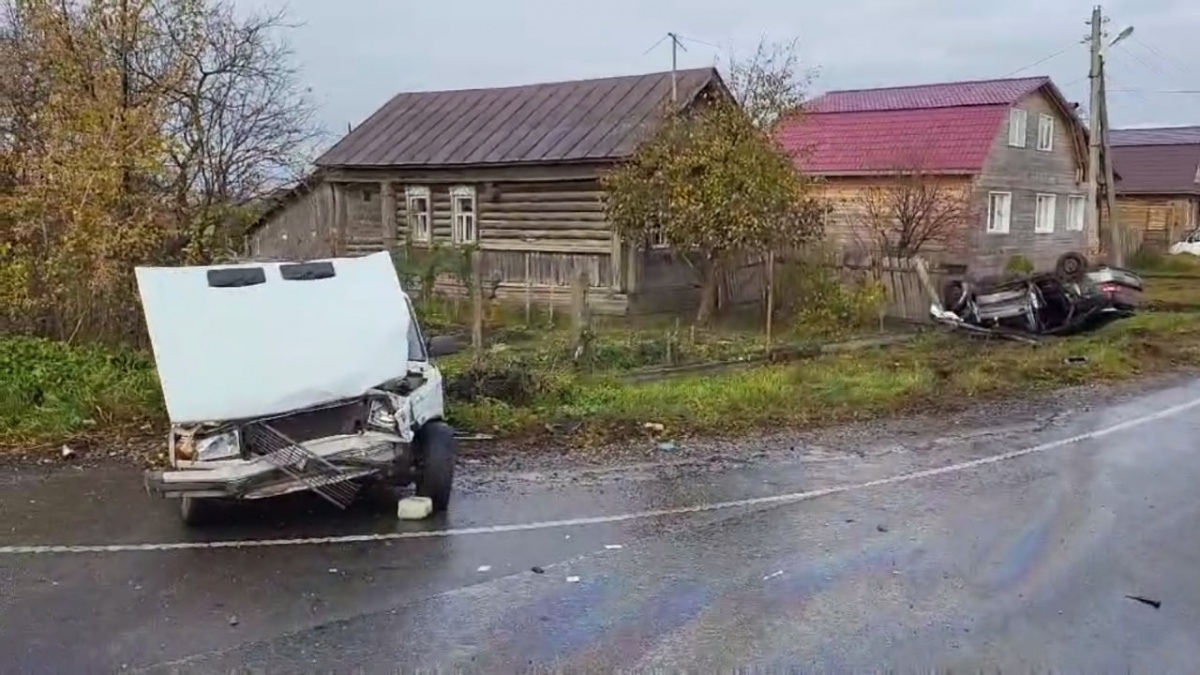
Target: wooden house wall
1025,173
1155,222
537,228
299,229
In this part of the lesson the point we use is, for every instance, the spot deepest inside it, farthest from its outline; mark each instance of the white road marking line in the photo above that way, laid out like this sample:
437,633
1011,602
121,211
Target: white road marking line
615,518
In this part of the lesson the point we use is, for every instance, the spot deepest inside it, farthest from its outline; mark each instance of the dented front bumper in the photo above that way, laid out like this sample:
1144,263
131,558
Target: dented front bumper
309,466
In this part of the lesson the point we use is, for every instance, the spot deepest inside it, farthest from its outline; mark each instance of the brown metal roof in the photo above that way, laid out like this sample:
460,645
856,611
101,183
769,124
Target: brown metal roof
1157,169
552,122
1155,136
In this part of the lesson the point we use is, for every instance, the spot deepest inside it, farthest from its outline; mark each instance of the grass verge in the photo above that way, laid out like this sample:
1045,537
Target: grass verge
936,370
50,392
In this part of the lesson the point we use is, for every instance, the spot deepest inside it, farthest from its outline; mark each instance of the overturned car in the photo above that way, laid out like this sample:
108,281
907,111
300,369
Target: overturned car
1071,299
281,377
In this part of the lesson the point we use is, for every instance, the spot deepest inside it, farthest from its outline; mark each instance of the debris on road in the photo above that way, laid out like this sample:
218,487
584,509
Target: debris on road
414,508
572,580
233,620
1156,604
1023,307
881,528
537,570
474,437
668,446
67,452
772,575
484,568
613,547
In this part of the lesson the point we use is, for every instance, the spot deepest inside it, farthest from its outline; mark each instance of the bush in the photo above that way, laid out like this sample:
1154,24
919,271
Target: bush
1019,264
53,388
825,306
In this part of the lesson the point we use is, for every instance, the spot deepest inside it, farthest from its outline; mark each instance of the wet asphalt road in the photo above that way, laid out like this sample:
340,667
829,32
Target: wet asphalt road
1020,564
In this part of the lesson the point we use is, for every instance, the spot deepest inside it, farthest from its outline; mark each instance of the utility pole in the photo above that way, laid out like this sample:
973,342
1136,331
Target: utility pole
1115,235
1100,170
1096,92
675,47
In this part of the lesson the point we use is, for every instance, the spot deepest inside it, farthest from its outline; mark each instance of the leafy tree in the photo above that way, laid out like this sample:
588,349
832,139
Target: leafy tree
713,183
84,150
132,132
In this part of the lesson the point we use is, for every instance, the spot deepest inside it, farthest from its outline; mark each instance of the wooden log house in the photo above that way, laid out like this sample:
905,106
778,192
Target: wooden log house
514,171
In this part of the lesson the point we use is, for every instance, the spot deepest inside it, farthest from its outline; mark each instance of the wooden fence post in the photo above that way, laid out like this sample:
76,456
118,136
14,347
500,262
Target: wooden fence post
528,290
579,314
477,303
770,297
927,282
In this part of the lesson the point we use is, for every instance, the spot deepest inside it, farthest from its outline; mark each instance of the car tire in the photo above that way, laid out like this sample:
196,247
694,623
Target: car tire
196,511
1071,266
437,452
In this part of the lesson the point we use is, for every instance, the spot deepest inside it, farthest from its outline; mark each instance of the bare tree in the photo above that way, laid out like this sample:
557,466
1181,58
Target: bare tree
241,122
770,83
909,211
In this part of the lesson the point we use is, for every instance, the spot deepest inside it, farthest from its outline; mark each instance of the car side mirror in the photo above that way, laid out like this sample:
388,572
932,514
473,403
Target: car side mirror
442,345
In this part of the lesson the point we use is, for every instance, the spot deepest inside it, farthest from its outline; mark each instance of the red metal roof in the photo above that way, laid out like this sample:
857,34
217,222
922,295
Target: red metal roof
580,120
944,95
945,128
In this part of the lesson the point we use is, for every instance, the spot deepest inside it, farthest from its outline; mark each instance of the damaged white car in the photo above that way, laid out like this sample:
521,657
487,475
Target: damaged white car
281,377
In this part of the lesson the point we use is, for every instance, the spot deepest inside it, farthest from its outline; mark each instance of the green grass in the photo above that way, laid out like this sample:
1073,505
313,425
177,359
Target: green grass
50,391
54,390
935,370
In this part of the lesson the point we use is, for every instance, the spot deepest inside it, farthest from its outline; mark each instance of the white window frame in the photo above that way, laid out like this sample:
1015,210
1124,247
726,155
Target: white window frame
1018,130
992,226
1045,139
1076,212
1043,222
420,221
464,227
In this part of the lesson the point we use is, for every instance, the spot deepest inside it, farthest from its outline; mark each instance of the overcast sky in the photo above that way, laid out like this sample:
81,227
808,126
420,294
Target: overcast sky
356,54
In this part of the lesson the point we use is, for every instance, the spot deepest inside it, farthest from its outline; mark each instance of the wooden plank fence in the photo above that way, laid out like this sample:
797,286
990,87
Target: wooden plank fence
907,298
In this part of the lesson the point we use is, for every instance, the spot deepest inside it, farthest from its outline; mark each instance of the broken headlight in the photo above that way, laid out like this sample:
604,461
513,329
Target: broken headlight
219,446
381,416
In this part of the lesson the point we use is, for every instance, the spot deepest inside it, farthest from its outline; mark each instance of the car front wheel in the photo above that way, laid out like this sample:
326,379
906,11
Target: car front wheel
437,452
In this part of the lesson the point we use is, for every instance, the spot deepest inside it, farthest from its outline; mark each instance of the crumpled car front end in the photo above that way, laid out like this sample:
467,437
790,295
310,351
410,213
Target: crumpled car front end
323,449
318,377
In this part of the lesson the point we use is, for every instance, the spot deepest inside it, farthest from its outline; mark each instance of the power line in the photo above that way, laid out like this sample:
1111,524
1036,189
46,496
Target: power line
1147,64
685,38
1042,60
1155,91
1155,51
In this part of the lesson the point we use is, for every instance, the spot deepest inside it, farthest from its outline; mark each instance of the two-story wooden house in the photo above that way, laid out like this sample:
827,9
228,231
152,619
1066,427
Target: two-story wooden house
1014,148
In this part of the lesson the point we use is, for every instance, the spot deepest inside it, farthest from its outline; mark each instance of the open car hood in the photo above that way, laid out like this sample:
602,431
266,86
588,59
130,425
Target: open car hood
251,340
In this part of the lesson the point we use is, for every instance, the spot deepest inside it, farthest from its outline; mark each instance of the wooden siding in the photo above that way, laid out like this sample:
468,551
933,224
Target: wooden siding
1026,172
847,228
1154,222
536,229
299,229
